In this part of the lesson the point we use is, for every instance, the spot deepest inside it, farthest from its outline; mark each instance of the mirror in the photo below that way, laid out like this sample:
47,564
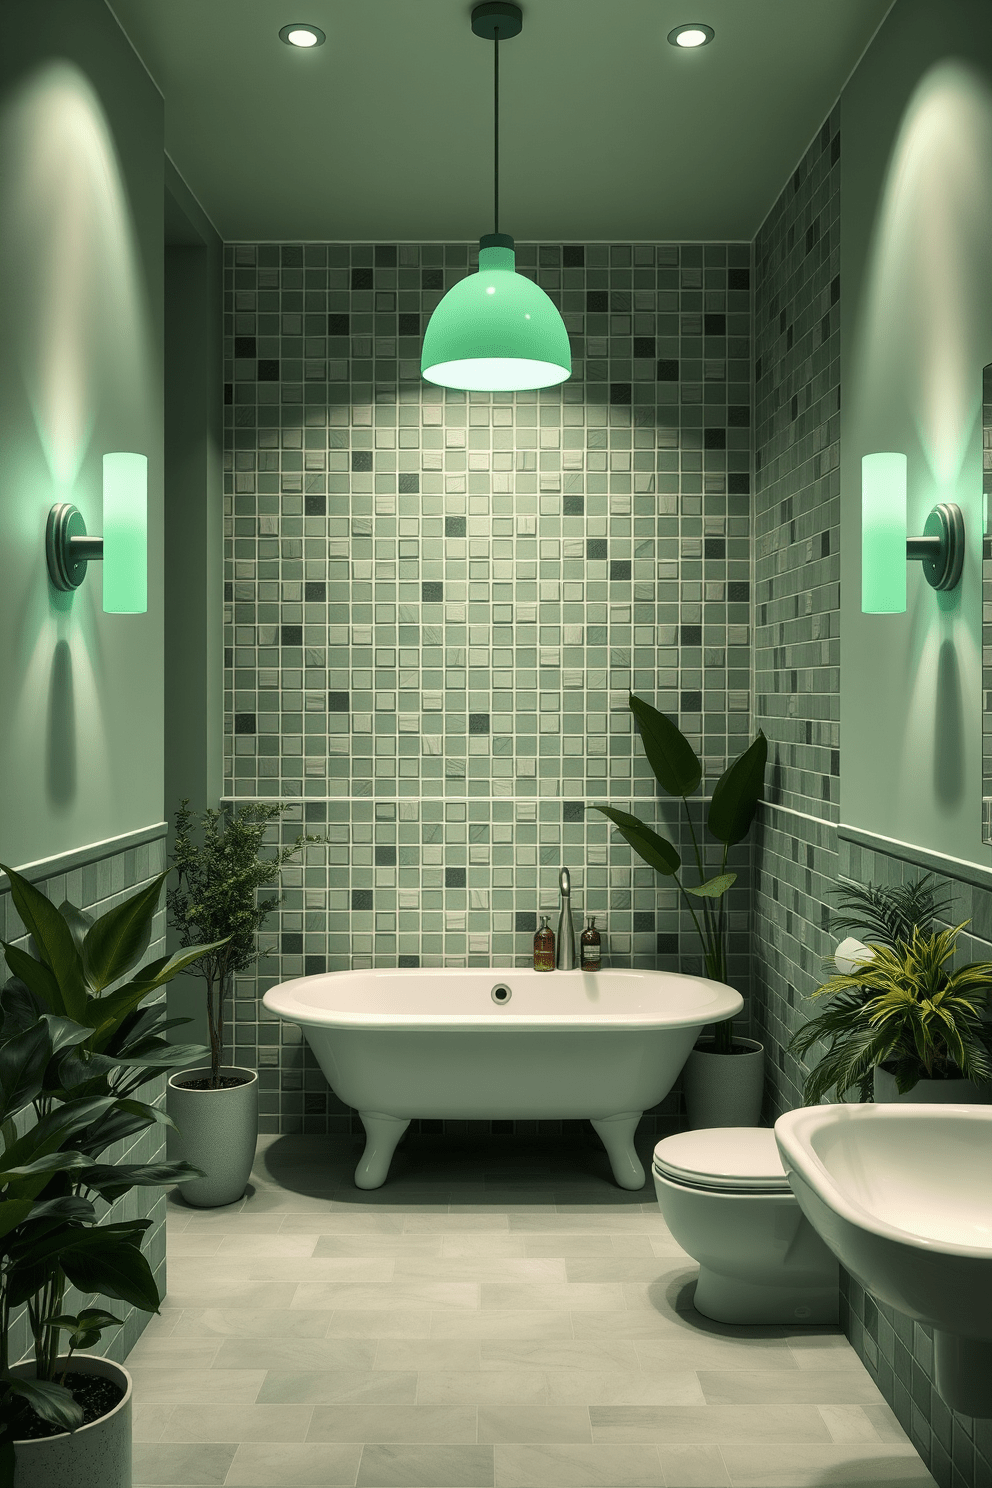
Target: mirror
986,606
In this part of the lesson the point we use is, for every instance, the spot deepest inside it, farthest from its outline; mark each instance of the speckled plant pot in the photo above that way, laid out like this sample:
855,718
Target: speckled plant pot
930,1092
218,1132
724,1089
95,1456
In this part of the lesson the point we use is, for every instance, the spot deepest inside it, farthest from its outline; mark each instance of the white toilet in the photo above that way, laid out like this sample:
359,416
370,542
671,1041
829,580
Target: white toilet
727,1201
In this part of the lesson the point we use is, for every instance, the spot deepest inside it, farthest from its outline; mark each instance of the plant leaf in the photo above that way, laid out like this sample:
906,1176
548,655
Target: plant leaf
39,979
118,939
658,853
53,939
14,1212
50,1401
669,753
713,887
737,793
113,1270
23,1060
78,922
106,1014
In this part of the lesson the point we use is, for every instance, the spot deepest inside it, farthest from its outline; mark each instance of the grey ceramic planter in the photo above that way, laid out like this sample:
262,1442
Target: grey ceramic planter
930,1092
217,1131
95,1456
724,1089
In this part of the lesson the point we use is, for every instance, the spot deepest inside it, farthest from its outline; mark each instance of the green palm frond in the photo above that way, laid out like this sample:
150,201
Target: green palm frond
887,915
906,1009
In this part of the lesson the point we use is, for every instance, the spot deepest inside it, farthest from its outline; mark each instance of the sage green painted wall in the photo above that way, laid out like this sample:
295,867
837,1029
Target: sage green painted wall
916,330
81,252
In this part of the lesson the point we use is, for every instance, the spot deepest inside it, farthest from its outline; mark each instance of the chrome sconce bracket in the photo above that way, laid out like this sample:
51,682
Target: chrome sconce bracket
941,548
68,548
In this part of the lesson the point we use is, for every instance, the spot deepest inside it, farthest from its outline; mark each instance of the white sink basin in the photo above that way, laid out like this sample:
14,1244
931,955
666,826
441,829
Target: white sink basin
902,1196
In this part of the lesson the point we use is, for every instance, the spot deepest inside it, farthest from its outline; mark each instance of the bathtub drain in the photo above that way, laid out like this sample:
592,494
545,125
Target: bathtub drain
501,993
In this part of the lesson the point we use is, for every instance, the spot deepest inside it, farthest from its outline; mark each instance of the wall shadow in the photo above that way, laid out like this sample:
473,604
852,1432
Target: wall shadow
60,739
948,729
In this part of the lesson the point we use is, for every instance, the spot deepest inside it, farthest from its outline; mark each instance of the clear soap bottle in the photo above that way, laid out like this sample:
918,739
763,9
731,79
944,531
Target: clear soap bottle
592,947
544,947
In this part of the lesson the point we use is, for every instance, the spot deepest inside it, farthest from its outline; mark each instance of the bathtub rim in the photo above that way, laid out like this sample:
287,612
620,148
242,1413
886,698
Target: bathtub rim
725,1002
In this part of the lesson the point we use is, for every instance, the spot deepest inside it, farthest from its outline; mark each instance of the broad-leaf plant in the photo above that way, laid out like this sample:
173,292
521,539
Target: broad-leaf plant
678,770
77,1045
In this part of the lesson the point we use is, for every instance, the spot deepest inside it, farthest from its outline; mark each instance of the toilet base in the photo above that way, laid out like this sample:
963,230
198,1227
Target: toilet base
729,1299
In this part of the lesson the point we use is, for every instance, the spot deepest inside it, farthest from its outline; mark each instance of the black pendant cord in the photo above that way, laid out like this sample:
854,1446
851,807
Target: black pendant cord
496,130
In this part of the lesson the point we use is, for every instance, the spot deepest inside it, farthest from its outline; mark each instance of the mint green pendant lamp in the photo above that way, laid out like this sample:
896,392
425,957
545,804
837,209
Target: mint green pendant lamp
496,331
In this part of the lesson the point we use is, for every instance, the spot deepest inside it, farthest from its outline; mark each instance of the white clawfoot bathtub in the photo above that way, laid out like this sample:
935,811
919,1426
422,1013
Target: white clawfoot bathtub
480,1042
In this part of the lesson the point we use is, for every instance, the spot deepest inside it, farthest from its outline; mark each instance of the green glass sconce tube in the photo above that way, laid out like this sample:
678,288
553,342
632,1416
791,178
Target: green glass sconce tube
496,331
886,546
123,548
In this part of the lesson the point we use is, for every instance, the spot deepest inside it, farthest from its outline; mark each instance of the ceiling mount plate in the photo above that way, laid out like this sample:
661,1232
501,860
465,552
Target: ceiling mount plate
497,16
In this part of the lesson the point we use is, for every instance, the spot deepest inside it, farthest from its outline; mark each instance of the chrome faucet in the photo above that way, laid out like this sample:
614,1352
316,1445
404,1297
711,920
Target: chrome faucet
566,931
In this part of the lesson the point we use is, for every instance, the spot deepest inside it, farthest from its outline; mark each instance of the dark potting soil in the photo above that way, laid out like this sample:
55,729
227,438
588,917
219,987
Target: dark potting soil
225,1082
96,1395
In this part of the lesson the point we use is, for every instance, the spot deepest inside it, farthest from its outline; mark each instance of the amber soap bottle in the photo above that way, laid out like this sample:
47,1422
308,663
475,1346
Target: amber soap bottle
592,948
544,947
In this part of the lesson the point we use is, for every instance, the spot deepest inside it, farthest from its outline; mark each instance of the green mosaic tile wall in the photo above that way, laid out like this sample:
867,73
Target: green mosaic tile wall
97,887
438,602
798,855
797,591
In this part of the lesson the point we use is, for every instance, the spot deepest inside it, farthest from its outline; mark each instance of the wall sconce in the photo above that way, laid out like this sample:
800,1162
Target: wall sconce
123,548
886,547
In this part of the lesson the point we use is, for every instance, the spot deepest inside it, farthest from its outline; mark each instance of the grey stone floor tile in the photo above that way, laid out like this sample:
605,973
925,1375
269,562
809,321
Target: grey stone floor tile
564,1465
393,1294
649,1326
567,1244
483,1387
534,1423
266,1322
410,1465
174,1465
296,1353
428,1353
623,1387
613,1268
401,1423
304,1386
378,1322
366,1245
801,1386
580,1297
453,1223
857,1466
536,1353
233,1294
694,1467
540,1270
467,1245
159,1386
848,1424
494,1323
708,1424
678,1348
149,1421
239,1423
295,1465
322,1268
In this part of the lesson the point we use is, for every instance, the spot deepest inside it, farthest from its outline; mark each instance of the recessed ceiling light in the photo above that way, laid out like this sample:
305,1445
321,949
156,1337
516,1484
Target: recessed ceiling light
301,35
692,35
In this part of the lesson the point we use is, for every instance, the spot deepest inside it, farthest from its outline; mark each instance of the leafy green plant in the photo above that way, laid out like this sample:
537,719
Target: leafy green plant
217,900
905,1010
76,1046
888,914
678,771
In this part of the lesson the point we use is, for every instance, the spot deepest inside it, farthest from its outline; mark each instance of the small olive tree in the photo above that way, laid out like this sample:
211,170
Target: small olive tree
220,879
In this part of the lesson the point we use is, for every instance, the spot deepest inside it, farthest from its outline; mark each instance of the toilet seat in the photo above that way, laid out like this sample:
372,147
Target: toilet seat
723,1159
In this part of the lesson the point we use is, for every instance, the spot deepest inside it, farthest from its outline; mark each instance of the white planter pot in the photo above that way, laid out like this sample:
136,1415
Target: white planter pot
95,1456
218,1132
724,1089
930,1092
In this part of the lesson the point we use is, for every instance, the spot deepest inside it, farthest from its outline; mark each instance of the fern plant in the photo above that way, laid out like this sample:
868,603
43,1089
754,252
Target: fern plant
887,915
903,1009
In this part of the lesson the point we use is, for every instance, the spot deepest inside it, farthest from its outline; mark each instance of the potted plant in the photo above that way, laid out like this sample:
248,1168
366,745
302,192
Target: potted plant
75,1050
723,1080
215,1108
901,1024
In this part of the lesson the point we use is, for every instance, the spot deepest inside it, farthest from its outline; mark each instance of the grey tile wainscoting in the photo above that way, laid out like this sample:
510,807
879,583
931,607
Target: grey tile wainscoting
437,603
96,878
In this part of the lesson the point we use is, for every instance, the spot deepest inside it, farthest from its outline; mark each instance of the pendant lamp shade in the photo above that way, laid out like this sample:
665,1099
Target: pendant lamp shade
496,331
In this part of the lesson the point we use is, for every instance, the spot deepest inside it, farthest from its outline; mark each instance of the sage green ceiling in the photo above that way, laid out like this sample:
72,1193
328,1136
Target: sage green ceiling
385,132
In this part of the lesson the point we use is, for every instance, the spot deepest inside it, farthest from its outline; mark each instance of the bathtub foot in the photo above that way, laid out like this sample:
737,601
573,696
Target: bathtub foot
381,1136
617,1135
